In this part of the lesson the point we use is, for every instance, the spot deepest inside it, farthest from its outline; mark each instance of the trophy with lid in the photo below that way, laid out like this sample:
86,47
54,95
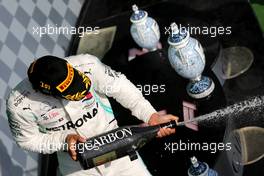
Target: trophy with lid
144,29
200,169
186,56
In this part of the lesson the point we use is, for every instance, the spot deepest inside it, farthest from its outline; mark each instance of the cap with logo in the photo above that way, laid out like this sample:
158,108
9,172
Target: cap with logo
55,76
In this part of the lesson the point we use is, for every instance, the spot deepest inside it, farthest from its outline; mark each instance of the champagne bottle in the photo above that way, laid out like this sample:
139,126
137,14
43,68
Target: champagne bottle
116,143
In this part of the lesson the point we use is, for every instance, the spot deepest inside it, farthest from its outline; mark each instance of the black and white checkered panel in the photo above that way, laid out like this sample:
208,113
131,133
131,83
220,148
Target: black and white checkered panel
19,45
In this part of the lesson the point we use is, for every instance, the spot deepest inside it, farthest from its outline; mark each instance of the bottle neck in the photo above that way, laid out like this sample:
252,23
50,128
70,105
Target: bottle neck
171,124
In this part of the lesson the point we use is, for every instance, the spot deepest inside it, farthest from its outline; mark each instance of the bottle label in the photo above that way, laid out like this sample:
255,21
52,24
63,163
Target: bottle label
96,143
104,158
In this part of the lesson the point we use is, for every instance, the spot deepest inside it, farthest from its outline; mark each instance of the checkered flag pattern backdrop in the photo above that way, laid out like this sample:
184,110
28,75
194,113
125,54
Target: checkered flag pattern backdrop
19,45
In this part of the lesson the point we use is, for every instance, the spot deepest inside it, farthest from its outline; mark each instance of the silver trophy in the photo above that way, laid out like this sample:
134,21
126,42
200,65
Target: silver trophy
187,58
144,30
200,169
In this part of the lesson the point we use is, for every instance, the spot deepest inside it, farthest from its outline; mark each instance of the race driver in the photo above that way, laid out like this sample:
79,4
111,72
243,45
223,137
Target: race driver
64,101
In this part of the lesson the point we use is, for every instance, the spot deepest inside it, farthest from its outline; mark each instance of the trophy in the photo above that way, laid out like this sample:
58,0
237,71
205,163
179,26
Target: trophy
200,169
144,30
187,58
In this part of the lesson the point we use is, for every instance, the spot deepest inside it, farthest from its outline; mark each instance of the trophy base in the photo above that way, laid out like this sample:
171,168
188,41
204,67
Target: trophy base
200,88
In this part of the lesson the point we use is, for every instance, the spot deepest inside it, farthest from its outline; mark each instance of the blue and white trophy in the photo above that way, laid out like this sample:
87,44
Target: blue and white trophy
187,58
144,29
200,169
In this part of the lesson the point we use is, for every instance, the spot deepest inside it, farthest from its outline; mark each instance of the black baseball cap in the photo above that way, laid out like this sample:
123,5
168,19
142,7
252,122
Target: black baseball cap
55,76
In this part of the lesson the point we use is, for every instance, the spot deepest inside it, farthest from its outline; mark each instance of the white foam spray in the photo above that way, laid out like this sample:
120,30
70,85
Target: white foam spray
247,111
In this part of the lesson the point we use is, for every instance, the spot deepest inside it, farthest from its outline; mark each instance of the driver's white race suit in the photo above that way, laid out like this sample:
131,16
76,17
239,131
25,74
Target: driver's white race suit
40,122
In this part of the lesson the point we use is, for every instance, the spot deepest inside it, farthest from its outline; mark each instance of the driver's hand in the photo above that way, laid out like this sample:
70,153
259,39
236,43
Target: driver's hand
71,140
156,119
